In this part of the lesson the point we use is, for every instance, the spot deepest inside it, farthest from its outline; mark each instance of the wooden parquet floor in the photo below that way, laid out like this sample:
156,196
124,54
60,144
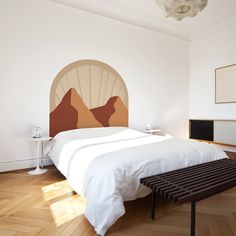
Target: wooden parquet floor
46,205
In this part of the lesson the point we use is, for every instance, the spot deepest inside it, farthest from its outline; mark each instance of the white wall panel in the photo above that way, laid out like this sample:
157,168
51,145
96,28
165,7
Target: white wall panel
39,38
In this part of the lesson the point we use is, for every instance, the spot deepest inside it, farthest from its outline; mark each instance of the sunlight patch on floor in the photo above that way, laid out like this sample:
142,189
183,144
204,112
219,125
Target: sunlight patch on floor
67,209
66,205
54,190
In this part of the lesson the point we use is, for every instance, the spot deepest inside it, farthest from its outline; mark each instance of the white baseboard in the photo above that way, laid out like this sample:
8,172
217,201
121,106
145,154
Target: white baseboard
23,164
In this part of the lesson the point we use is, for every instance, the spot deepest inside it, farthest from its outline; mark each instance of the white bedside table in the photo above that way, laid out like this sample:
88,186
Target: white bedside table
39,143
153,131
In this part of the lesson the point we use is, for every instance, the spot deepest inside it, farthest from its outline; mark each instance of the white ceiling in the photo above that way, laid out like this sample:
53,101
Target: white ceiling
146,14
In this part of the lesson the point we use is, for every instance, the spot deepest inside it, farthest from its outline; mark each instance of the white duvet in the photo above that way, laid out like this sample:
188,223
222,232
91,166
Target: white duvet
105,165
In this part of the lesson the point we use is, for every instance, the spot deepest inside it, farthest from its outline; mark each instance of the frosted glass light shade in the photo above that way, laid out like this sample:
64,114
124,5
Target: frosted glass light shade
179,9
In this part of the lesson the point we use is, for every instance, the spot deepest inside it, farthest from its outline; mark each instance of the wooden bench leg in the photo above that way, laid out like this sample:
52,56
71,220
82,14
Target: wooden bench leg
153,205
193,216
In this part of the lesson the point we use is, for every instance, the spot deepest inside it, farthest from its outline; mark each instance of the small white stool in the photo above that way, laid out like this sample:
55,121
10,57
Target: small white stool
39,142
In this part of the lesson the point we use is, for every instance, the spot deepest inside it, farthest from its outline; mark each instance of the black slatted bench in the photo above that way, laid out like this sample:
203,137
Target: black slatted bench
193,184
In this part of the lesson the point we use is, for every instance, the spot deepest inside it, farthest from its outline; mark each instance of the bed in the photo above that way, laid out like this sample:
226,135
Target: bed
99,155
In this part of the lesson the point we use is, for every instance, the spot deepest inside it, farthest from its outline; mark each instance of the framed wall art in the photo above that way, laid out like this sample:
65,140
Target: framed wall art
225,84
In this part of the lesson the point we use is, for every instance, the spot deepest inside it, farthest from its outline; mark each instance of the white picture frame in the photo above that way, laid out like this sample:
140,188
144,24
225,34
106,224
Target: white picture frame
225,84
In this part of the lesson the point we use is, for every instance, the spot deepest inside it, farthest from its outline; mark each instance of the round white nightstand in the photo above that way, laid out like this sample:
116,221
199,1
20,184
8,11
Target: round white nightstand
39,143
153,131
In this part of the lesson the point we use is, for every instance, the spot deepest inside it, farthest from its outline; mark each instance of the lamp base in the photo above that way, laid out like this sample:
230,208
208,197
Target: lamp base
37,171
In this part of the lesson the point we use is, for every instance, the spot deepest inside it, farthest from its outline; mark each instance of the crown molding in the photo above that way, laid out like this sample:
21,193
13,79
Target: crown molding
113,11
213,26
133,17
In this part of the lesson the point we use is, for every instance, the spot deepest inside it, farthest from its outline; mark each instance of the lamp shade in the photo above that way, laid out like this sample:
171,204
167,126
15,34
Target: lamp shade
179,9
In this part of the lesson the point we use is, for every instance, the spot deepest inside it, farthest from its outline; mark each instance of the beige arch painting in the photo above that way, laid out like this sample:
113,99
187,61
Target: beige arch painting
85,94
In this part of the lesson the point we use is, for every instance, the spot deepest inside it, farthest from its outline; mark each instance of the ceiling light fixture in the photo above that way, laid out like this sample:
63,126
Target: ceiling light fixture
179,9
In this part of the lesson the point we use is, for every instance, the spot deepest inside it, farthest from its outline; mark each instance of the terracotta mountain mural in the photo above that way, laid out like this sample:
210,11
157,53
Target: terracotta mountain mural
72,113
110,113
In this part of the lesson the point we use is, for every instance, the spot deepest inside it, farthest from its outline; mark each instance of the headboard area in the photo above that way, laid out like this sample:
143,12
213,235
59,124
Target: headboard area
85,94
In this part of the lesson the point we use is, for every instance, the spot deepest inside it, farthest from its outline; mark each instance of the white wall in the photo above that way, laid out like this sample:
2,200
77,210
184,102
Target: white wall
207,53
39,38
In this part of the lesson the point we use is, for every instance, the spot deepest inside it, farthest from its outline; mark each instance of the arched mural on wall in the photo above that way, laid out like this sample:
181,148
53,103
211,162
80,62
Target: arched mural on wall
85,94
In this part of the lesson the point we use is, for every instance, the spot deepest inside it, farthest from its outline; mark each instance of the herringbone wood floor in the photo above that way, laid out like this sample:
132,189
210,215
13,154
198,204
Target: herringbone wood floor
46,205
